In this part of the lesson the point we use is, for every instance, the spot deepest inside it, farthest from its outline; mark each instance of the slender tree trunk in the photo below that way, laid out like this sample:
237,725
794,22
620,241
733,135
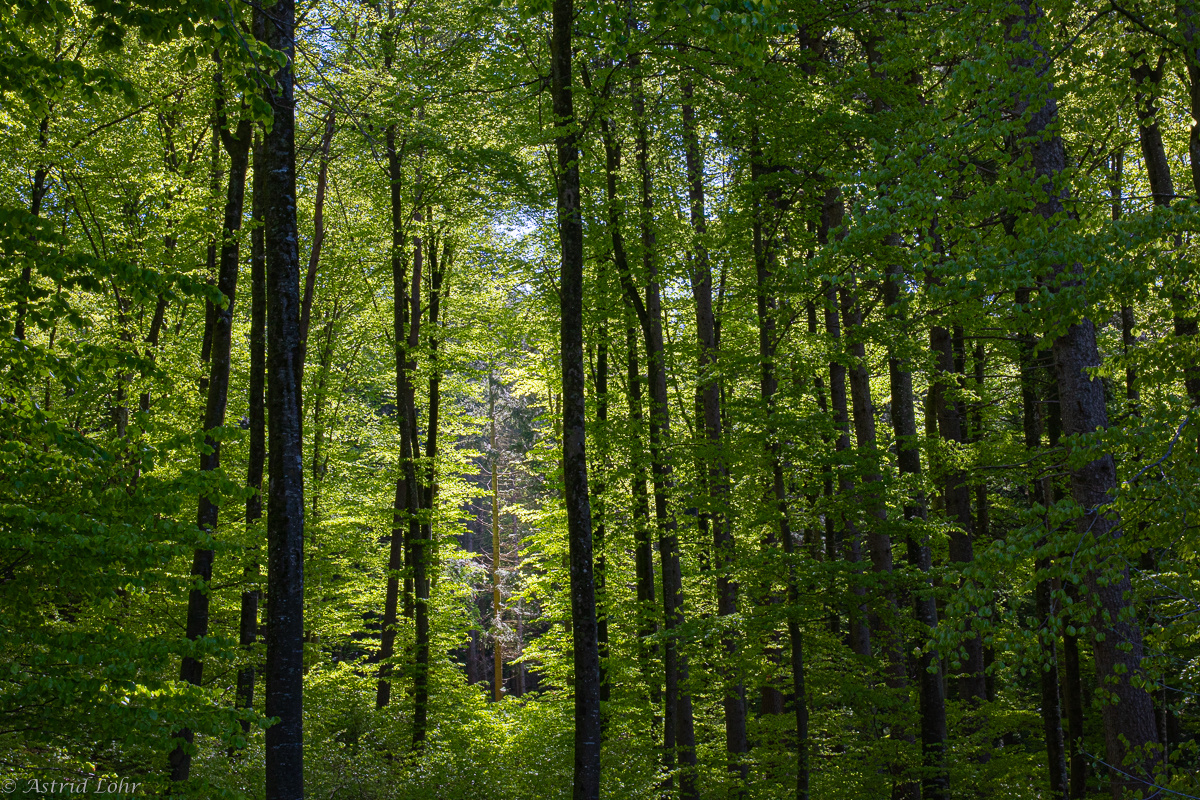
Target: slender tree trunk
936,782
1129,723
832,212
256,415
717,478
647,615
599,487
314,257
586,784
421,548
768,342
643,546
37,192
285,500
1051,707
400,551
497,645
679,720
237,144
972,685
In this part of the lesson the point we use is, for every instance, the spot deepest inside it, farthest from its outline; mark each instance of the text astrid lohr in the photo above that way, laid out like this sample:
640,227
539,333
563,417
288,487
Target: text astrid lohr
112,787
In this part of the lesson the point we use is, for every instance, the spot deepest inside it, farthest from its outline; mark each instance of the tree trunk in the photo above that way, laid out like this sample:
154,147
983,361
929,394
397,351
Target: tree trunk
768,342
936,783
643,546
860,633
497,646
256,415
972,685
717,477
1129,723
1051,707
285,500
237,145
586,784
314,257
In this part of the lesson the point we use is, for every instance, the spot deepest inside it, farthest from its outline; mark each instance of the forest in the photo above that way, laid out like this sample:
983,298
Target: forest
653,399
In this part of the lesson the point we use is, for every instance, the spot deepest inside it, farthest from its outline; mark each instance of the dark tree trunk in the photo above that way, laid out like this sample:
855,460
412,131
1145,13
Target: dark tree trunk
256,457
643,545
679,733
1129,723
37,192
599,487
1051,707
972,685
765,247
400,553
420,547
314,257
717,477
936,783
586,784
647,614
285,498
832,212
237,145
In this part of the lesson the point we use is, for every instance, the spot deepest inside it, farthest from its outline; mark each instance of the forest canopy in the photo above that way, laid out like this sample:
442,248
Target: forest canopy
525,400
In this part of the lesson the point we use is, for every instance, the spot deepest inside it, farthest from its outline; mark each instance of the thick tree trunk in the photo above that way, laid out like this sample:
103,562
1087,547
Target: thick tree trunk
586,784
237,145
285,499
717,477
1129,723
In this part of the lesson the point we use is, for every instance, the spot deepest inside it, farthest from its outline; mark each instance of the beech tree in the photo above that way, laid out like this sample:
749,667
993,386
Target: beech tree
697,400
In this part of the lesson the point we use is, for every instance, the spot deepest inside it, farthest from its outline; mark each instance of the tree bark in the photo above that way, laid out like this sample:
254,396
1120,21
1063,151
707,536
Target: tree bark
285,499
237,145
314,257
765,247
832,212
1051,707
717,477
256,416
936,783
497,646
1129,723
586,784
